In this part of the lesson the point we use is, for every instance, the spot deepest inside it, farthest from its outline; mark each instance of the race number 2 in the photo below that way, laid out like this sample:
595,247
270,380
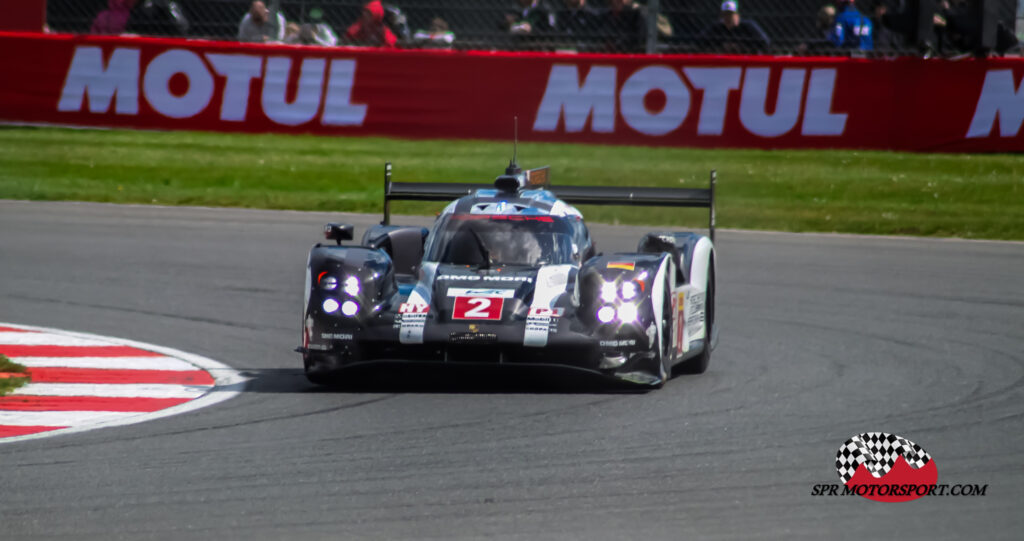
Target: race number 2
478,308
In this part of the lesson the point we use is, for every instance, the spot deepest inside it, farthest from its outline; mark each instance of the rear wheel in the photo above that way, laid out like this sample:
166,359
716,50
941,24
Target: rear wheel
699,364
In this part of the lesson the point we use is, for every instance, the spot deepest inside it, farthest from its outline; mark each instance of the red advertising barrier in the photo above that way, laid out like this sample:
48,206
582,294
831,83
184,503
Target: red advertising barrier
702,101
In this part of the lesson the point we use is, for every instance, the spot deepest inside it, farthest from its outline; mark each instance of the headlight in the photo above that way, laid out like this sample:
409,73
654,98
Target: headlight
349,308
628,290
328,283
606,314
352,286
627,313
330,306
608,292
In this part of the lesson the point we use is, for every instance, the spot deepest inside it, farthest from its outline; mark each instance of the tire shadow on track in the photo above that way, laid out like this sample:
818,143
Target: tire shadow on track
442,379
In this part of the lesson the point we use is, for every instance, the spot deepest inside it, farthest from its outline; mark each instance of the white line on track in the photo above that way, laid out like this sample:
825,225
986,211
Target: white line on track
113,390
109,363
47,339
82,420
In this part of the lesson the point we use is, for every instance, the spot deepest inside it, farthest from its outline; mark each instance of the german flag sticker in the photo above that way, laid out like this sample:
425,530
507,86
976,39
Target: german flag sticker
624,265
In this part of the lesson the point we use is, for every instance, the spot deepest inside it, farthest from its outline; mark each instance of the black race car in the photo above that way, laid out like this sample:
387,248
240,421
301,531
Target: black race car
508,274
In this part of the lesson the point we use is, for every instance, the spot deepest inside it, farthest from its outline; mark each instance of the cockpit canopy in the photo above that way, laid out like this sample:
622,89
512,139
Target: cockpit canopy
486,240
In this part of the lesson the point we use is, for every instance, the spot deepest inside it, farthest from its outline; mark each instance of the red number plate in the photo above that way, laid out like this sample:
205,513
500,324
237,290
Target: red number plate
478,308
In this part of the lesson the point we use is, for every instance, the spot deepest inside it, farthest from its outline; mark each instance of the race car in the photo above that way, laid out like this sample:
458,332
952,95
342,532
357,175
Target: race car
508,275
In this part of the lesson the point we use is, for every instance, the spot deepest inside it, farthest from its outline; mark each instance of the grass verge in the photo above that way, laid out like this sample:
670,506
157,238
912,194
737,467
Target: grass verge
956,195
12,375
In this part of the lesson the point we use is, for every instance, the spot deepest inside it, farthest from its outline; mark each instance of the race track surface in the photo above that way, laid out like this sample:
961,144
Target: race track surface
822,337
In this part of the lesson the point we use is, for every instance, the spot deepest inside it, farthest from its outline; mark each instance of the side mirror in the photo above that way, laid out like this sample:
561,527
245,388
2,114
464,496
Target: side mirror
338,232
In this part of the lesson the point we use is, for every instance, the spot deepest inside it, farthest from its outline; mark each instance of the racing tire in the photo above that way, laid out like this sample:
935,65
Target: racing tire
699,364
663,351
315,371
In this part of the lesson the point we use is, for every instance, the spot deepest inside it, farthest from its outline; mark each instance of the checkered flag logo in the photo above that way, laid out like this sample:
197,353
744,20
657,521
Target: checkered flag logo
878,451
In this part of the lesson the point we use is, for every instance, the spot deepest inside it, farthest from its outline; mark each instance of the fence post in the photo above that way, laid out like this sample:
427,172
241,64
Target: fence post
653,10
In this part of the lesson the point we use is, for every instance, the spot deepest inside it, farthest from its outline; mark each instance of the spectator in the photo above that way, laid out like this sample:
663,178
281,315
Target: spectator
529,17
828,33
856,30
398,23
438,36
370,29
959,25
114,19
828,28
626,24
316,31
291,33
262,25
734,35
892,28
578,20
157,18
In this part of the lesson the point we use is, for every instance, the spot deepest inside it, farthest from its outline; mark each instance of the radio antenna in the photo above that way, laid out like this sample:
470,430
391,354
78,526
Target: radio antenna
513,166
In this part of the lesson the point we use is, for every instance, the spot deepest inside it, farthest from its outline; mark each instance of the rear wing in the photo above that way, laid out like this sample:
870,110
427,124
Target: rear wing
576,195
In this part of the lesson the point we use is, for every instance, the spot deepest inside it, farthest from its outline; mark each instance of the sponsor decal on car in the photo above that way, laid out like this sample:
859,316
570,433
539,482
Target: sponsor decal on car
337,336
505,217
695,317
413,308
472,337
478,308
887,467
617,343
477,278
624,265
494,293
541,311
679,337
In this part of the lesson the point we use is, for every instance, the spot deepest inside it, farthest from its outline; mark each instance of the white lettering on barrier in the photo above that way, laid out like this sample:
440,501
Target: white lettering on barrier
642,82
338,107
88,77
275,88
238,71
999,99
117,82
818,116
754,98
156,84
716,84
566,97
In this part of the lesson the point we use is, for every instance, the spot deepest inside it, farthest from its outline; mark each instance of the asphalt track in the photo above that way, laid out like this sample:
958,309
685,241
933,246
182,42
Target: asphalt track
822,337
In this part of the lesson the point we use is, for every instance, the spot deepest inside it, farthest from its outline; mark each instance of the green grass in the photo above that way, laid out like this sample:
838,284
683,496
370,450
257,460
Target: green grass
958,195
9,384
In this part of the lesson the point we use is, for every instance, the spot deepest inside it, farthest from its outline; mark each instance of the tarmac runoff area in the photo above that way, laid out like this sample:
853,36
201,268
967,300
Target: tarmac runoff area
822,337
83,382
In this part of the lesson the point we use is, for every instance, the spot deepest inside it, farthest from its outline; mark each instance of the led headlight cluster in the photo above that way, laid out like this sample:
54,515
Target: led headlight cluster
625,313
351,286
619,302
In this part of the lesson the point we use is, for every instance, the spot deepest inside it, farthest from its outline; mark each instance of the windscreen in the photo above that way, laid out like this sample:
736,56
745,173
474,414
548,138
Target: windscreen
491,240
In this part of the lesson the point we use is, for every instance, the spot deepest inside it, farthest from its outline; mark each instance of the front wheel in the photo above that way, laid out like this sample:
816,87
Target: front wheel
661,350
318,369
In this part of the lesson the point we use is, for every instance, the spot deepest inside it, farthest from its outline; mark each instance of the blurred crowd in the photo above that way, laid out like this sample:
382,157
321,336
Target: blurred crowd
865,27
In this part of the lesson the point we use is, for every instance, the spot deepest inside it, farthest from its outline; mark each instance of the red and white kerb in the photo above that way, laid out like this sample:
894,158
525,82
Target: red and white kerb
80,382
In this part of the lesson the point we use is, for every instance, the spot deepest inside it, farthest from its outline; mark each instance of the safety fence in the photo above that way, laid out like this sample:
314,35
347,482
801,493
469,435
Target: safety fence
782,27
671,100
